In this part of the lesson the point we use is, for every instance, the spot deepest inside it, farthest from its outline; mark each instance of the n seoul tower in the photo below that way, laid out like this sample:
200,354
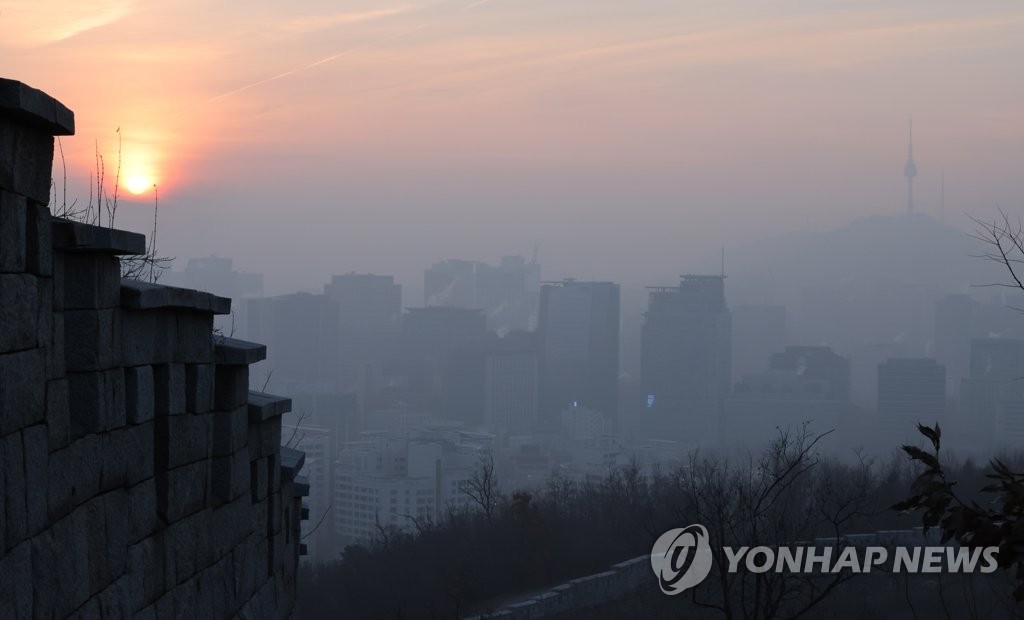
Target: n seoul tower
910,169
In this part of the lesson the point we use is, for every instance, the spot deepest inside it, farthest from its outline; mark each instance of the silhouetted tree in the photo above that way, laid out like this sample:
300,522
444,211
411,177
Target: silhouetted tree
482,487
788,494
999,523
1005,240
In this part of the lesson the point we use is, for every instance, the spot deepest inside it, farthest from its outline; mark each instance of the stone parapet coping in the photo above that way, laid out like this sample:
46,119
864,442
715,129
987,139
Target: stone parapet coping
138,295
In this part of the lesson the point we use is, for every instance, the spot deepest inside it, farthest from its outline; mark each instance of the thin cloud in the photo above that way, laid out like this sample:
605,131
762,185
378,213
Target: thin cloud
790,40
25,23
313,23
306,67
336,19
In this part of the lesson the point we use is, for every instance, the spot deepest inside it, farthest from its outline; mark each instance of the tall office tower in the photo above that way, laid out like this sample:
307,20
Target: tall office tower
954,320
452,283
365,300
506,292
495,384
434,330
511,382
757,332
766,403
686,358
817,364
910,391
801,385
301,333
430,336
993,395
579,346
369,320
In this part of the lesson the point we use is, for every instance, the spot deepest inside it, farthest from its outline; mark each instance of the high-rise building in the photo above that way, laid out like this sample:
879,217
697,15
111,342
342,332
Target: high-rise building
757,332
579,345
369,323
437,328
954,320
910,391
507,292
511,392
431,337
366,301
453,283
301,333
764,404
802,385
686,358
582,423
998,359
1009,426
401,479
339,414
495,385
992,397
817,364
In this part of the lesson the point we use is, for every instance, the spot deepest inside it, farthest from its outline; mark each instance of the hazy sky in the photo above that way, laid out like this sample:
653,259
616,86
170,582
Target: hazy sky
628,138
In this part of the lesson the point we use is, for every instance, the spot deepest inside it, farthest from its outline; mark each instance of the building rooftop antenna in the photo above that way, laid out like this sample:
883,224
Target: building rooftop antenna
942,196
910,169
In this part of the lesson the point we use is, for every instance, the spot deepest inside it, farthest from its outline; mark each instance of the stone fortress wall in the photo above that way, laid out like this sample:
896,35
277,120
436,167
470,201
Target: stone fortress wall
632,575
139,475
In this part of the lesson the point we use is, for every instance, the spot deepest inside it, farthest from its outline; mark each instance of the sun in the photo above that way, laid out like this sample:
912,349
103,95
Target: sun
138,183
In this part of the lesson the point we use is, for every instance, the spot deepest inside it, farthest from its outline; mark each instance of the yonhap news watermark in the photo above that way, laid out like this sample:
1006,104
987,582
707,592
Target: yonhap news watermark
682,558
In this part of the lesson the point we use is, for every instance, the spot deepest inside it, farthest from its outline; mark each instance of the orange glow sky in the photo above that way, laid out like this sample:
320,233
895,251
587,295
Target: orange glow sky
627,138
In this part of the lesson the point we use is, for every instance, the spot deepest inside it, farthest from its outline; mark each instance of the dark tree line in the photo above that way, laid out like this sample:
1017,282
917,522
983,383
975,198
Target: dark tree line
510,545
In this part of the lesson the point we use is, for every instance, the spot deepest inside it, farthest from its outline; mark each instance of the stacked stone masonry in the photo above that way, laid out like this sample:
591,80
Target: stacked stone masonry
140,476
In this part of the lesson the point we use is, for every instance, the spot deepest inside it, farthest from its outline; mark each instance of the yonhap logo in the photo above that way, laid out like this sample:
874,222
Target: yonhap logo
681,558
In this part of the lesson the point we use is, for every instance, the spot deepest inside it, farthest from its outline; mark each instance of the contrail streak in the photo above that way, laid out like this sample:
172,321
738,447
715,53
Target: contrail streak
322,61
306,67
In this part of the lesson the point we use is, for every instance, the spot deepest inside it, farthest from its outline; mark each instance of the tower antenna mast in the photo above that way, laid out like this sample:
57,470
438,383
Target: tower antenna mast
910,169
942,195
